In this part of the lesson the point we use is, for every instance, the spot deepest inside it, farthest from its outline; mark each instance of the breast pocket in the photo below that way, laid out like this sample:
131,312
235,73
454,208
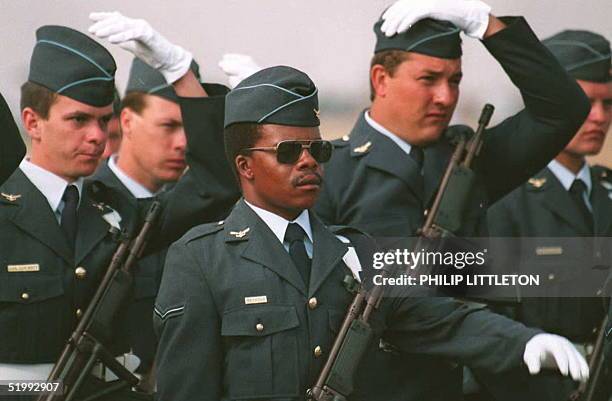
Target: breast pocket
261,359
33,318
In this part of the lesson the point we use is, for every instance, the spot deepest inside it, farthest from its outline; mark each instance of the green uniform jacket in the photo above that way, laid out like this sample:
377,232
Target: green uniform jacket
235,320
538,210
35,328
371,184
188,203
12,148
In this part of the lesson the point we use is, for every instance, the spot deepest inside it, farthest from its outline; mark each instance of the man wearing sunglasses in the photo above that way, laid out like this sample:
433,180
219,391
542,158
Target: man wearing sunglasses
248,307
12,148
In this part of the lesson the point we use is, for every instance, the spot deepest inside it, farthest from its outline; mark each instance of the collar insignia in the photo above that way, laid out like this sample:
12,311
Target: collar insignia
241,233
537,182
363,148
10,197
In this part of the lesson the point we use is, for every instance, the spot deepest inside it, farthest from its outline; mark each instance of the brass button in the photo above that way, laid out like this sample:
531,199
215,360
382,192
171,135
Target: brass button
259,327
80,272
312,303
79,313
318,351
551,276
599,292
25,296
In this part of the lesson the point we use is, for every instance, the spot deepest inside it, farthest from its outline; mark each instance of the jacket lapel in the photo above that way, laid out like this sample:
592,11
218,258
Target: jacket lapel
34,215
602,208
382,153
262,246
556,199
92,227
327,253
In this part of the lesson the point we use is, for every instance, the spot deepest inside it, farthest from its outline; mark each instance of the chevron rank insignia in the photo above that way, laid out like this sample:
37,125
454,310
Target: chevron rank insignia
363,148
241,233
10,197
537,182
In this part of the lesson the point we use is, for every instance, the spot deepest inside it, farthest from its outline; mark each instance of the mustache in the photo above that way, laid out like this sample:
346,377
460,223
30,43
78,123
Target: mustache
308,178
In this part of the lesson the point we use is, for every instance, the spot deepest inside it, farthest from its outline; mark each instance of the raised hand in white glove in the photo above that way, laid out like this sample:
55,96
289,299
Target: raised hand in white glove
138,37
237,67
471,16
553,351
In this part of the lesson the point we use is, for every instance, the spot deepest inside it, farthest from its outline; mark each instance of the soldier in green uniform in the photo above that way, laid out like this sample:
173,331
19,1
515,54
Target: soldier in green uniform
248,307
57,237
58,231
385,173
12,148
566,199
155,151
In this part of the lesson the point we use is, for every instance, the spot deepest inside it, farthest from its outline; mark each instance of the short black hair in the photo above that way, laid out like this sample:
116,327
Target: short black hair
237,137
38,98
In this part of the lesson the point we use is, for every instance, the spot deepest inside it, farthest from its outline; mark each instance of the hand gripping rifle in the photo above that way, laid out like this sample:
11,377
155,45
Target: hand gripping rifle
335,382
85,346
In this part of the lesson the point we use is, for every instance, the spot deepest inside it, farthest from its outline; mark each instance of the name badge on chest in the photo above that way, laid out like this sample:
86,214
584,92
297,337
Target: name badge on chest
32,267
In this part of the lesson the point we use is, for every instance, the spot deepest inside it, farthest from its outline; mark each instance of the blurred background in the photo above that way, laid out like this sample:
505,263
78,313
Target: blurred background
330,40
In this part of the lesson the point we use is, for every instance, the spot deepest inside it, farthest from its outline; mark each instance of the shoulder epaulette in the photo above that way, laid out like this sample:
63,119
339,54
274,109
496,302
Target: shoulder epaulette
203,230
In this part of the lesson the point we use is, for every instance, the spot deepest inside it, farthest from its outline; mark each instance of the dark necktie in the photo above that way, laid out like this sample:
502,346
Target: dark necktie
576,191
69,213
418,156
297,250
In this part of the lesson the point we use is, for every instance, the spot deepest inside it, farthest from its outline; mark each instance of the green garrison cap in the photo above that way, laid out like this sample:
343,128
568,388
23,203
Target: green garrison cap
144,78
585,55
276,95
427,36
73,65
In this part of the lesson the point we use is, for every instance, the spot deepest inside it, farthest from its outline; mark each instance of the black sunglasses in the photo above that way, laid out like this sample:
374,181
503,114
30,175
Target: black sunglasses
288,152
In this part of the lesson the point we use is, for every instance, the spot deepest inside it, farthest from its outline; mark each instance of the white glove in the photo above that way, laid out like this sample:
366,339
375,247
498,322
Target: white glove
237,67
138,37
553,351
471,16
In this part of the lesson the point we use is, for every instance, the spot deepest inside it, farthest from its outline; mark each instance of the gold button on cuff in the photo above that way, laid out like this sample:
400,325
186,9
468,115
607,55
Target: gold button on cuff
25,296
312,303
259,327
318,351
79,313
80,272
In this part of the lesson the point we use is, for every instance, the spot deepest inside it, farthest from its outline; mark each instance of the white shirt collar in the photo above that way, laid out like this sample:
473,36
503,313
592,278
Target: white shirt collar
50,185
138,190
566,177
279,224
403,145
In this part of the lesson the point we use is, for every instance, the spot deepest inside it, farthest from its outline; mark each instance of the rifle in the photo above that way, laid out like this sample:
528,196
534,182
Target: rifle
86,344
335,382
586,391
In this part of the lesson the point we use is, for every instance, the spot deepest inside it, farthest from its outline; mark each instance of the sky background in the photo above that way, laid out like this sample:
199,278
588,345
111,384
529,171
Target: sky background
331,40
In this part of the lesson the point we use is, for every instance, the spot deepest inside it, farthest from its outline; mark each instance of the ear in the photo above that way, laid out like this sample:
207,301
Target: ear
244,167
32,122
379,77
126,121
